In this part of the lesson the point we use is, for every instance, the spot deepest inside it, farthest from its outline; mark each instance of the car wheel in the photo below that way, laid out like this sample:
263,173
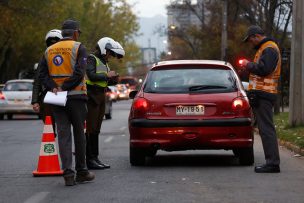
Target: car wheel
1,116
151,153
246,156
137,156
9,116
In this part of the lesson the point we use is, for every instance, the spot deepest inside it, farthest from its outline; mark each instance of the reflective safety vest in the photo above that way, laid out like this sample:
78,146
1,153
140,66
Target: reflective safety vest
100,69
270,82
61,59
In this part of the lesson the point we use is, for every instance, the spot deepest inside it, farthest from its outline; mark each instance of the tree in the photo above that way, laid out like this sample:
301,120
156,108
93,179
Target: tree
24,24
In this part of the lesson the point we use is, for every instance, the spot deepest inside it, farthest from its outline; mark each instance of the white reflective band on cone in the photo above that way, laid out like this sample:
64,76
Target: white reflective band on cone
48,129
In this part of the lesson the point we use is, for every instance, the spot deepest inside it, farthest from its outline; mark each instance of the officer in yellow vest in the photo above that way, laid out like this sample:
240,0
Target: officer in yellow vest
63,69
262,92
99,77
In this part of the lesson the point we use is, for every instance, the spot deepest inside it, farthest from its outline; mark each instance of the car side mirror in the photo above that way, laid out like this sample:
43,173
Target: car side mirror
132,94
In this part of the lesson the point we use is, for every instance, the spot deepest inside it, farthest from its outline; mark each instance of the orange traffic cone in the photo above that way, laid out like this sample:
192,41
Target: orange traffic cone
48,163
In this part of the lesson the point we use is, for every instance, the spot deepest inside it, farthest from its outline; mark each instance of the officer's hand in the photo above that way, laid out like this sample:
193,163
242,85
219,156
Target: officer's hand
112,74
56,89
36,107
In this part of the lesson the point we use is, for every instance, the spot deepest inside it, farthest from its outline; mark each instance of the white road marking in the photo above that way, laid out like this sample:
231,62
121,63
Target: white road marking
109,139
36,198
122,128
123,135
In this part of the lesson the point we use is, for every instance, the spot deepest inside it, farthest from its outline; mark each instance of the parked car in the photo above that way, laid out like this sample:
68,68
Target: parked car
15,98
1,87
187,105
108,106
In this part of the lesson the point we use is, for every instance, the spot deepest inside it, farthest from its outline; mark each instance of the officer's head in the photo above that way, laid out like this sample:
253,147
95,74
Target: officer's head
52,37
109,48
254,35
71,29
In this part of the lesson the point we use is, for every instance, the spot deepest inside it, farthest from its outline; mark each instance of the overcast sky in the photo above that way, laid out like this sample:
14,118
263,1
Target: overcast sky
149,8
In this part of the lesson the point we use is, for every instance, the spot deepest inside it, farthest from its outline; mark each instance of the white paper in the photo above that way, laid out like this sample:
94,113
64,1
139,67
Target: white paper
59,99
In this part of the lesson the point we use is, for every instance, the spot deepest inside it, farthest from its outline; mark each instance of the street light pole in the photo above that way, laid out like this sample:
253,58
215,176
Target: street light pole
224,31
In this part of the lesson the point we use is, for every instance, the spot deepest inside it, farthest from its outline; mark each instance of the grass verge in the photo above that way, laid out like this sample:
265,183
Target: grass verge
295,135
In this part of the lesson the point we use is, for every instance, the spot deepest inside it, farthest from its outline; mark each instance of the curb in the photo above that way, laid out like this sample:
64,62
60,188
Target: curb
296,149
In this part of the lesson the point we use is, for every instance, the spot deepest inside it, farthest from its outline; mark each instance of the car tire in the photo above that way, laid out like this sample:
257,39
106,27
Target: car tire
137,156
9,116
1,116
246,156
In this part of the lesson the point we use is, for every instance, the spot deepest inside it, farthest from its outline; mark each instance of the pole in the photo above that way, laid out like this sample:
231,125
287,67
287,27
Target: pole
224,32
296,89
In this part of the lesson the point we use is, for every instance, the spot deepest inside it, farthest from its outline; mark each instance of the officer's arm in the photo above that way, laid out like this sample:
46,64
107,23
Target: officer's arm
267,63
44,76
91,71
79,70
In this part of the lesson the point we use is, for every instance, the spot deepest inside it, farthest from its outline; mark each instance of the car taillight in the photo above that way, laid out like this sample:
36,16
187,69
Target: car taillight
140,107
2,97
240,103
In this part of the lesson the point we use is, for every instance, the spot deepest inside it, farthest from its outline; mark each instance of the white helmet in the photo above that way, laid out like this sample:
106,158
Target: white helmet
53,34
107,43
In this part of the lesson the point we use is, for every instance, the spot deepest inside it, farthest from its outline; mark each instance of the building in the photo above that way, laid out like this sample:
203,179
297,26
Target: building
185,13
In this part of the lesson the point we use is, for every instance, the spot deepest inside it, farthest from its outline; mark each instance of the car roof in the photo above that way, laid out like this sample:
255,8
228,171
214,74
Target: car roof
192,62
20,80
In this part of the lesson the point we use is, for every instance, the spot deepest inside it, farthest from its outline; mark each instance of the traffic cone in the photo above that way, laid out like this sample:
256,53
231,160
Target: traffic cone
48,163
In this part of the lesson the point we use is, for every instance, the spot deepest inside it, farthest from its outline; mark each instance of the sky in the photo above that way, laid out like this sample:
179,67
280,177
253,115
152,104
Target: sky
149,8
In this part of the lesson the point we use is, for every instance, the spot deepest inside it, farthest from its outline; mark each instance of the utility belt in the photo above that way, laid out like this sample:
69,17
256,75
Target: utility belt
255,96
96,88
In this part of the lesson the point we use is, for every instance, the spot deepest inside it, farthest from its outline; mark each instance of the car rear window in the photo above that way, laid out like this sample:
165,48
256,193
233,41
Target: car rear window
18,86
190,80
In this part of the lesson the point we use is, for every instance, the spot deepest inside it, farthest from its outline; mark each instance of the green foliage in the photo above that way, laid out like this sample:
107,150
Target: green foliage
24,25
285,132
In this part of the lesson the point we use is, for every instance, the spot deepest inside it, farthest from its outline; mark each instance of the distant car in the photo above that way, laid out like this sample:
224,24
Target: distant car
187,105
114,93
123,91
15,98
108,106
130,81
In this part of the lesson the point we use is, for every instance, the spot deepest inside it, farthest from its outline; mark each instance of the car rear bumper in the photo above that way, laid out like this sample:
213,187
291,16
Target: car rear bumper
182,135
145,123
17,109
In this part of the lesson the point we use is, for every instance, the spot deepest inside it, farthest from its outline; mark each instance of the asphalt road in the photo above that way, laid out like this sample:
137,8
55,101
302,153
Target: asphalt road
192,176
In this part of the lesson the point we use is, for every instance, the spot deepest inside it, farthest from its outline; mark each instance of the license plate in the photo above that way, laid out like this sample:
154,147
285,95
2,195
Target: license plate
190,110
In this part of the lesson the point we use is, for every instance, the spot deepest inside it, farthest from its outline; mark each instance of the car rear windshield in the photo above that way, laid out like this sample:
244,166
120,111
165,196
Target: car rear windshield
190,80
18,86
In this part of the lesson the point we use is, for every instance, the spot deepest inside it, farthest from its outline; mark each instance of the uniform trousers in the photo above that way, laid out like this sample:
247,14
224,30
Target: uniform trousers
73,114
96,111
264,117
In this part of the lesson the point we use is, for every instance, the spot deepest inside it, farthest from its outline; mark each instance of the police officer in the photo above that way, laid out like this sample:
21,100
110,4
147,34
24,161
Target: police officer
99,77
39,91
63,69
262,92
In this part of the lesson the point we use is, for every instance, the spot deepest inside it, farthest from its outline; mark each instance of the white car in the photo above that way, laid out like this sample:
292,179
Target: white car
15,98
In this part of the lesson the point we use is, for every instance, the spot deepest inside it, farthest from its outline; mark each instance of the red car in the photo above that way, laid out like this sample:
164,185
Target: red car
190,104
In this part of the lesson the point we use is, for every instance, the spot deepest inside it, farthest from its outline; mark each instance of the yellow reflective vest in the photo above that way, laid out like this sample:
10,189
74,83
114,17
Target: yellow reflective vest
100,69
61,59
270,82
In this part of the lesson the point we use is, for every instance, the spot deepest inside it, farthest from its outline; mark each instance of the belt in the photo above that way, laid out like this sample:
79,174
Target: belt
96,87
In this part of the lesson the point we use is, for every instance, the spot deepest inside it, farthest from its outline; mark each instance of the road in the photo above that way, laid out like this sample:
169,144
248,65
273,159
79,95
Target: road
192,176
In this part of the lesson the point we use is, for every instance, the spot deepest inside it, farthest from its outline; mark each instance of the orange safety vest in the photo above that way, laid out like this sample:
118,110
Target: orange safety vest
61,59
270,82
